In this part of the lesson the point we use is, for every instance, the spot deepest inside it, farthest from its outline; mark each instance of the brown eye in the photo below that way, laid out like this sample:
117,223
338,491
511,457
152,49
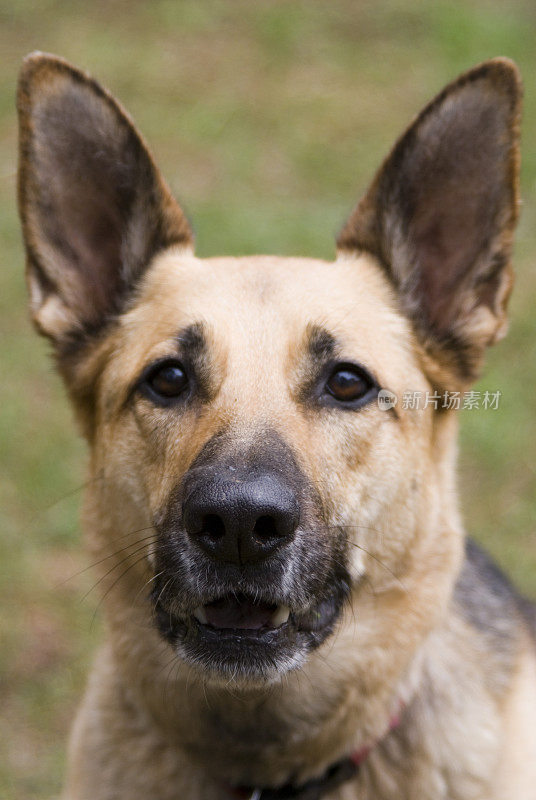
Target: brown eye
167,380
348,385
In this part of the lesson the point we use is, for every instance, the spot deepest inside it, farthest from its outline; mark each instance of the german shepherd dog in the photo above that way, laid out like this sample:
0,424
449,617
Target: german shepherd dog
292,608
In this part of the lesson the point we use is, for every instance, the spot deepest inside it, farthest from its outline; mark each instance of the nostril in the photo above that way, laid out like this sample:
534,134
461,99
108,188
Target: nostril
265,528
213,526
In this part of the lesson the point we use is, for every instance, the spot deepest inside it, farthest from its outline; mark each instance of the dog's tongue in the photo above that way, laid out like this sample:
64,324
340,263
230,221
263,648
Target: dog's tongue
239,612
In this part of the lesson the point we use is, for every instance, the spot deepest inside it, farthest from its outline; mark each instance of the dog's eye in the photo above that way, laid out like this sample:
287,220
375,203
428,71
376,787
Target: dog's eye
167,380
349,384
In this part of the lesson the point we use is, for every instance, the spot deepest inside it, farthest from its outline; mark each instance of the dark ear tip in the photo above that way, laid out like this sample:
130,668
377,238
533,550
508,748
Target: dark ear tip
39,56
37,62
505,64
502,73
505,68
37,67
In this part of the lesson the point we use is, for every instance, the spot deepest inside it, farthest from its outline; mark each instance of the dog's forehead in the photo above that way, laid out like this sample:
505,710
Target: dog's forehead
279,297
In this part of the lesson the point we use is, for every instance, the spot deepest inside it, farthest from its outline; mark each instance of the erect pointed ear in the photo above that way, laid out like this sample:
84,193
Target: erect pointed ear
440,216
93,205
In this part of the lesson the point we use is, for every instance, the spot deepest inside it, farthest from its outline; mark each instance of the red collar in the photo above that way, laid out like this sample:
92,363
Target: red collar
337,774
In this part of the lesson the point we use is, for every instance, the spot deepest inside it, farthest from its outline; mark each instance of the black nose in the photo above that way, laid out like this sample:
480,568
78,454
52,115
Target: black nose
240,520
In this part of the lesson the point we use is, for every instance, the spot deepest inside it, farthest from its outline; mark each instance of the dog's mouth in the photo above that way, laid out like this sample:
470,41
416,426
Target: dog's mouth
248,636
242,613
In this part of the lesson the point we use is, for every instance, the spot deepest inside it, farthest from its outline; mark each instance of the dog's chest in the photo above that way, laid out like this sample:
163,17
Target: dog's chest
413,763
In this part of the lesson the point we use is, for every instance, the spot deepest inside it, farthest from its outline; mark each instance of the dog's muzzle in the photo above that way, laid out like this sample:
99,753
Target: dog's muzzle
248,578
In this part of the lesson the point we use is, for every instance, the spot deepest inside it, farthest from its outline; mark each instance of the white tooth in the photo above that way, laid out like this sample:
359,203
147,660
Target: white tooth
200,615
280,616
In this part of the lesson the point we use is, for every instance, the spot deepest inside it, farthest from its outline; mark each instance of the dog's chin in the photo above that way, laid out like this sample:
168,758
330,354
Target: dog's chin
246,640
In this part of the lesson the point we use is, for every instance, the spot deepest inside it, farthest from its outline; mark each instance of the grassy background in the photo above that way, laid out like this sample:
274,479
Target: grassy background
268,119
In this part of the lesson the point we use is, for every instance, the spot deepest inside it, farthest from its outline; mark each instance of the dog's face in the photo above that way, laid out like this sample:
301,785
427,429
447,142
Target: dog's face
241,400
232,404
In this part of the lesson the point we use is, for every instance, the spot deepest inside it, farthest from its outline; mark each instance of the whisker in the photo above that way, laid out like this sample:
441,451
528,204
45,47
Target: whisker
380,562
137,530
344,526
154,578
115,566
102,560
109,589
66,496
162,592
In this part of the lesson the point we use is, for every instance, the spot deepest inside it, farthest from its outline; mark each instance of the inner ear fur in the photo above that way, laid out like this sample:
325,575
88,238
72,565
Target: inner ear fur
440,215
94,206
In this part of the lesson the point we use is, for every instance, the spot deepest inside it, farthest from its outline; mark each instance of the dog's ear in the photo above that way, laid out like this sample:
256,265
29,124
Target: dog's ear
440,215
93,205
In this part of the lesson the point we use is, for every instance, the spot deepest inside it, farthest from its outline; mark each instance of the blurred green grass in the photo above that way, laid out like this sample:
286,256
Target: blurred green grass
268,119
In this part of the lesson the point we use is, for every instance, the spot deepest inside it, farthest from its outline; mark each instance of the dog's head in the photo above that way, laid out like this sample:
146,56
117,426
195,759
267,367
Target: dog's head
239,410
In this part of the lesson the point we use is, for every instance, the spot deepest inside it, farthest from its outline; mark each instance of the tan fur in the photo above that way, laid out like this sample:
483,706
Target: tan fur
516,770
153,727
